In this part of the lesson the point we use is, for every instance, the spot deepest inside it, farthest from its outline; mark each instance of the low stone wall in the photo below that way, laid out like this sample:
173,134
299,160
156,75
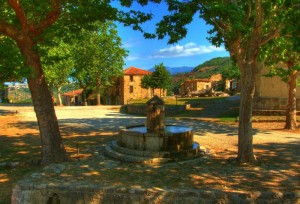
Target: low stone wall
271,106
170,109
36,194
271,103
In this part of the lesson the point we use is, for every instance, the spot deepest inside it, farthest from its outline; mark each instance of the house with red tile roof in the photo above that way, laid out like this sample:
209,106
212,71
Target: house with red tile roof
73,97
128,87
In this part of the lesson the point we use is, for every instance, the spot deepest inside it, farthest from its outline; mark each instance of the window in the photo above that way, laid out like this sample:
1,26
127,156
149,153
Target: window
131,89
131,78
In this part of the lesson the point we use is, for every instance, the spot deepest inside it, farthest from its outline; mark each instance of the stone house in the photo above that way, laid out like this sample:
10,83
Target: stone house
127,87
271,93
72,98
198,87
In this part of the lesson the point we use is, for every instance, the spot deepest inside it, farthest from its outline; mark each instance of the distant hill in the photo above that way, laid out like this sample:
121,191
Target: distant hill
218,62
176,70
211,67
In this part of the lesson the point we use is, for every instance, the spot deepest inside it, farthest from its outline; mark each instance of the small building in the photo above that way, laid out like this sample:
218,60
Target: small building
199,87
128,87
72,98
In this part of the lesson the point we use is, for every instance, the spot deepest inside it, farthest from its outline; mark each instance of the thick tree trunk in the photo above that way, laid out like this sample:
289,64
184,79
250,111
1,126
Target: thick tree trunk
245,138
291,113
52,147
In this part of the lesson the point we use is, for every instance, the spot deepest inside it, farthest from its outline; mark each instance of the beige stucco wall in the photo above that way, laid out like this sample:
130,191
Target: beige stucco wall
271,92
271,86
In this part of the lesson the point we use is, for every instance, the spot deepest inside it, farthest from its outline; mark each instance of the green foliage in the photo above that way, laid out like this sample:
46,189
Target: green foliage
277,52
218,65
19,95
58,63
147,81
230,72
215,62
98,56
11,62
53,20
159,79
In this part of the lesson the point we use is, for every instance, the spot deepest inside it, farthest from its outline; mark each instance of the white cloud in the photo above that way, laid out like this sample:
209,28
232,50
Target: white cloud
131,58
132,42
189,49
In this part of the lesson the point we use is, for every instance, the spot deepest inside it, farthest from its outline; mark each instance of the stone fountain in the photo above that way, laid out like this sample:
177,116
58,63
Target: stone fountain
155,142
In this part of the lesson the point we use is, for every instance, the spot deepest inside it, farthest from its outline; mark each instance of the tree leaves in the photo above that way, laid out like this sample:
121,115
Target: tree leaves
159,79
98,55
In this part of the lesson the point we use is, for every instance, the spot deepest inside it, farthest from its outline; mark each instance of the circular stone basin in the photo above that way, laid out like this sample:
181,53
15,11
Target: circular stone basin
171,139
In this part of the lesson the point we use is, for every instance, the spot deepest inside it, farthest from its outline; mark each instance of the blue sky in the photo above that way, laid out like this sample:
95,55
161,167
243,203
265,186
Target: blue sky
191,51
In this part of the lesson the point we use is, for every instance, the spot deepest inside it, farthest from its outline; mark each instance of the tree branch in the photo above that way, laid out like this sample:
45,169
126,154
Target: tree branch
50,19
221,27
9,30
15,4
270,36
248,13
259,15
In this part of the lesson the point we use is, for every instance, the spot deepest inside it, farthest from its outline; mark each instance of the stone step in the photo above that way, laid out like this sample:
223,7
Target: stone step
151,154
109,151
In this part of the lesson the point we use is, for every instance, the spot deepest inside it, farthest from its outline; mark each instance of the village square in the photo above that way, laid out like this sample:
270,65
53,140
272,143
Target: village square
149,101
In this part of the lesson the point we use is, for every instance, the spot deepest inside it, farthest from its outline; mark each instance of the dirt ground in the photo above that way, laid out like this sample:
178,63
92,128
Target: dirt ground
273,146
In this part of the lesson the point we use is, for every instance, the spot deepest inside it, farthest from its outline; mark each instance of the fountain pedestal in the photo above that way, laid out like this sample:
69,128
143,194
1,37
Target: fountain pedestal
155,141
155,112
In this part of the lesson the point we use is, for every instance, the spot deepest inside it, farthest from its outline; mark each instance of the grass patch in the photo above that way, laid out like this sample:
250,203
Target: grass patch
203,107
212,107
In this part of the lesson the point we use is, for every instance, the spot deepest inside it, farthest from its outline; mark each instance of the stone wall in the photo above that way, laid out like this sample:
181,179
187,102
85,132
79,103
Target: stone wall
271,106
36,194
196,85
126,88
271,93
170,109
271,103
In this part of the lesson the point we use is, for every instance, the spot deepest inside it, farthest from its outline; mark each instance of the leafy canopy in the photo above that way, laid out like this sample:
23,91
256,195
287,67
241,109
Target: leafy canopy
159,79
98,55
44,20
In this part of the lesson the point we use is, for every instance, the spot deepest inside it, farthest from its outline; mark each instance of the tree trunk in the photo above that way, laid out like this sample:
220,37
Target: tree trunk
59,102
98,96
248,65
84,97
291,113
245,138
52,147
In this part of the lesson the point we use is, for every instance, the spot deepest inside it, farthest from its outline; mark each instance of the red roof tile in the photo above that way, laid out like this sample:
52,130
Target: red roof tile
136,71
73,93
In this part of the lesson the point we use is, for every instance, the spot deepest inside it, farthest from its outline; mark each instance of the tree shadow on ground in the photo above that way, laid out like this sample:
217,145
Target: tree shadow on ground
277,169
212,107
